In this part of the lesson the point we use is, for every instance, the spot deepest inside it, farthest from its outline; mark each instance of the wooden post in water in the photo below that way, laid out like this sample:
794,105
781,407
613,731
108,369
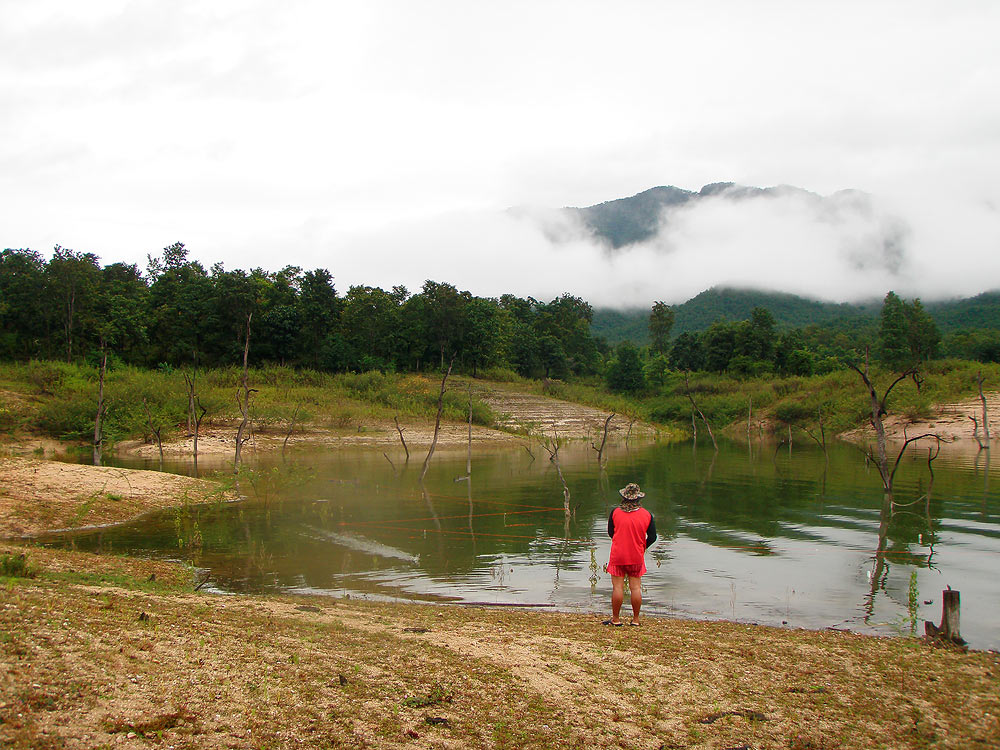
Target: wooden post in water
949,629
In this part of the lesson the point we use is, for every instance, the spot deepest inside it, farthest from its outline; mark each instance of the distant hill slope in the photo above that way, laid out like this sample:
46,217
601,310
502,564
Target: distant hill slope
981,311
789,310
631,220
626,221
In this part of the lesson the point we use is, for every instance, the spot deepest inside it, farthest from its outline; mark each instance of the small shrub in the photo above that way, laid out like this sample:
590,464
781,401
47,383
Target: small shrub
68,417
17,566
437,694
501,375
918,411
785,387
9,420
554,388
670,409
45,377
793,412
456,406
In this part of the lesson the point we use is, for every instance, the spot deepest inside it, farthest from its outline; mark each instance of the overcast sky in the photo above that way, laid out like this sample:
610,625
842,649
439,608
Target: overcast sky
384,140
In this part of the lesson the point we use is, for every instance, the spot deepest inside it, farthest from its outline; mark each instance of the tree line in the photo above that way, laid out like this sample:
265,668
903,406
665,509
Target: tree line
906,336
178,313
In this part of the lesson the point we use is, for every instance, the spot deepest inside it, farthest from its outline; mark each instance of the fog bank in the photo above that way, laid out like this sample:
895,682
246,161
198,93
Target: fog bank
847,247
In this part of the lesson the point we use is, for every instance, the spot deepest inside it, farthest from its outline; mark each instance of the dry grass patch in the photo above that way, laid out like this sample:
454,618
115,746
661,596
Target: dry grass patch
130,665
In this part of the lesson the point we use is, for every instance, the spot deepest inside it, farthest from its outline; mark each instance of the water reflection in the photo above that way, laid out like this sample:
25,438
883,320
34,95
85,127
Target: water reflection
804,537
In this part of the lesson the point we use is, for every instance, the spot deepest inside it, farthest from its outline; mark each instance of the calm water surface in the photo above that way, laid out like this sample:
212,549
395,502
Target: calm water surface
749,534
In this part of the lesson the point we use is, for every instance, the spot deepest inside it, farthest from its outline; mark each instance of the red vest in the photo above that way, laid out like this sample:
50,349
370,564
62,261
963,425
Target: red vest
628,547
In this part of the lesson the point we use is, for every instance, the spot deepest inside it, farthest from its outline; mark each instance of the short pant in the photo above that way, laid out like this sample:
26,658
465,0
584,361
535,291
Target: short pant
632,571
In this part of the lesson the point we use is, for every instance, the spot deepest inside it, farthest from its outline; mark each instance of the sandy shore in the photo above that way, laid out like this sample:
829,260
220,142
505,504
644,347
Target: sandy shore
37,496
103,651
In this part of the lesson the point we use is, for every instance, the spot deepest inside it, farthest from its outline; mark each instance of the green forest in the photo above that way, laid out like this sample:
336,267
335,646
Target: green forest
178,313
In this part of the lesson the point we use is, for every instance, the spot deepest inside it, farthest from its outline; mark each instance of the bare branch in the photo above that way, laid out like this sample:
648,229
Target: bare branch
902,450
400,431
600,451
437,421
885,396
291,428
975,430
687,391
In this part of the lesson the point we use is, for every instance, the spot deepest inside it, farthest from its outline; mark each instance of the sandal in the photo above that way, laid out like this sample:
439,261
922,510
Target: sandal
612,623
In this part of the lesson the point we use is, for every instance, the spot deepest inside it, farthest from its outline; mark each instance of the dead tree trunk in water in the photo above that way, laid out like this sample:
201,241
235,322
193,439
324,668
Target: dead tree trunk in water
554,458
243,394
154,431
468,458
197,427
291,429
604,439
694,406
975,431
437,422
98,419
878,411
821,440
986,419
400,431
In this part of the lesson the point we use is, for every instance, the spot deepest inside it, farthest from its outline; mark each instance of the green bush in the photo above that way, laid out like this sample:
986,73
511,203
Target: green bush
794,412
670,409
17,566
723,409
47,377
68,418
501,375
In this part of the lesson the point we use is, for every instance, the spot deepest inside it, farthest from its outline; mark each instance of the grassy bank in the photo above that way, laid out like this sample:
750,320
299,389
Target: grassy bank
840,398
58,400
103,651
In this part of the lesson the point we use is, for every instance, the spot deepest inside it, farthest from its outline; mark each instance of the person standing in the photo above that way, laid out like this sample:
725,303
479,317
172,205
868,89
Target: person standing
632,531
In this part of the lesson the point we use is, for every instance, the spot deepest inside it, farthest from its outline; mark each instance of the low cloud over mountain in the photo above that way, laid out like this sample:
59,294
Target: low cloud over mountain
668,243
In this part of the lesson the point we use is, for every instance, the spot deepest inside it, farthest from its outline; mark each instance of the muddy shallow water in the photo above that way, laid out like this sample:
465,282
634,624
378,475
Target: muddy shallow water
749,533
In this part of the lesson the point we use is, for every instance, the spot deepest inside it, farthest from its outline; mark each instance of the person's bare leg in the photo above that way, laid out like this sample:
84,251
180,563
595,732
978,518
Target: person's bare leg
635,587
617,597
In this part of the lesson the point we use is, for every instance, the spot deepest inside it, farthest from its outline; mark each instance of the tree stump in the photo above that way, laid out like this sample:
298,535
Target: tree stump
949,629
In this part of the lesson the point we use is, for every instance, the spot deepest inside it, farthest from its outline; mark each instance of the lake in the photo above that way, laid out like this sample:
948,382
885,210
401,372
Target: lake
749,533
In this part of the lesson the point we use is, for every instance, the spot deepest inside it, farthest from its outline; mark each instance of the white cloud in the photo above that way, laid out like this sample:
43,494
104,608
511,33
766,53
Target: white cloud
244,127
